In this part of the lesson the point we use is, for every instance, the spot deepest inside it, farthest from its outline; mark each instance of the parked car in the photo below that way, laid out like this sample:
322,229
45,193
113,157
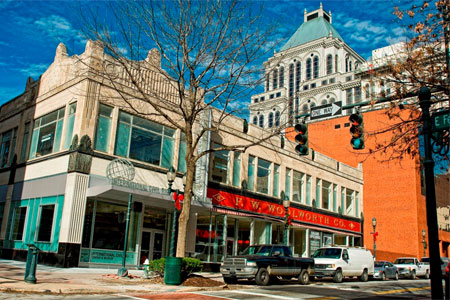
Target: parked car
264,263
444,262
410,267
384,270
340,262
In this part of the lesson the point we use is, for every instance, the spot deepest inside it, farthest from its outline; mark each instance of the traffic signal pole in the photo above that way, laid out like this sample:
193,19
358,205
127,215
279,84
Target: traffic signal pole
430,194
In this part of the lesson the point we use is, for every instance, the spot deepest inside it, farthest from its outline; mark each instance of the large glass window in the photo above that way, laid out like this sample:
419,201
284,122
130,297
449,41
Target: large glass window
276,180
18,223
237,169
251,173
220,165
46,223
47,133
69,125
144,140
4,148
287,184
103,128
326,194
297,187
262,181
26,134
182,154
349,202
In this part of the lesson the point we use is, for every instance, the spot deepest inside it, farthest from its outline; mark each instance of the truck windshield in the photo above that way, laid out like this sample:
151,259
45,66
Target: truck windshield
404,261
328,253
260,250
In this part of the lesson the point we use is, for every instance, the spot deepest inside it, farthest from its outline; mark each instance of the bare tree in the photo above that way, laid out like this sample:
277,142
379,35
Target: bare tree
421,60
206,58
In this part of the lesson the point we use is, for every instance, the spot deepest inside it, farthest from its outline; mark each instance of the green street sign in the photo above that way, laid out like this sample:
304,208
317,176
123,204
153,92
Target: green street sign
441,120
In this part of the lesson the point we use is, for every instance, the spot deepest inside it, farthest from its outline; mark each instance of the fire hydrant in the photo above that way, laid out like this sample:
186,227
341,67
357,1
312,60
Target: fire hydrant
30,269
146,269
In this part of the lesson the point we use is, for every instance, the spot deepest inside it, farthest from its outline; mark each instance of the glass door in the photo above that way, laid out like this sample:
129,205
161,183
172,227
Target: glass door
145,246
157,245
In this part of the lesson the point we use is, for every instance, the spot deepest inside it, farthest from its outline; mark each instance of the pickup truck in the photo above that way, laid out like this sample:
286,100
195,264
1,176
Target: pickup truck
265,263
410,267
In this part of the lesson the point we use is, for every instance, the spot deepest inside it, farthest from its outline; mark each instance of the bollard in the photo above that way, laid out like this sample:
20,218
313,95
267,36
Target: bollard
30,269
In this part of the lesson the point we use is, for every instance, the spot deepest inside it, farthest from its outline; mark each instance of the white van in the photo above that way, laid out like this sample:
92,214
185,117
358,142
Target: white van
341,261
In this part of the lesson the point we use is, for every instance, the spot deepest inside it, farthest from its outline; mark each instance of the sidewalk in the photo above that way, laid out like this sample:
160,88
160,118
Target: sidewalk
86,281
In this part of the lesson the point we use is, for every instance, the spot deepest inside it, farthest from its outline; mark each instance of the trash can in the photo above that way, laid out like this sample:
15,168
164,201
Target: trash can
30,268
172,270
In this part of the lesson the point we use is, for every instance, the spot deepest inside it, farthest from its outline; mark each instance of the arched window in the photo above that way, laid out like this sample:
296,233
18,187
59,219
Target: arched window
255,100
298,68
367,91
332,100
275,79
291,80
336,63
270,119
346,63
261,121
281,77
277,118
329,64
350,66
324,101
267,83
255,120
316,66
312,104
308,69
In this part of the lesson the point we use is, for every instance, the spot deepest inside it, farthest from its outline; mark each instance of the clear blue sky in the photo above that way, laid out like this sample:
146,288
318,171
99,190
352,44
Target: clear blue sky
31,31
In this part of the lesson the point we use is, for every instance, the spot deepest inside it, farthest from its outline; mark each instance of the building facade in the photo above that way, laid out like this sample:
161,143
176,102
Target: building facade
73,155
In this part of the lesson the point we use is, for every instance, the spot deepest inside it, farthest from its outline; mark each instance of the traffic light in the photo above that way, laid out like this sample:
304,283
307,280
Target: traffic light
357,131
302,139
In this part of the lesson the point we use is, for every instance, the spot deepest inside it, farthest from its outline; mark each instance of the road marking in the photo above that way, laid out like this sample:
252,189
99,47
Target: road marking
402,290
215,296
263,295
131,297
324,298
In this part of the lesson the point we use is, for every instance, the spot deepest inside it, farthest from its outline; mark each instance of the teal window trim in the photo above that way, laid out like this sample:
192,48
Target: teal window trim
103,130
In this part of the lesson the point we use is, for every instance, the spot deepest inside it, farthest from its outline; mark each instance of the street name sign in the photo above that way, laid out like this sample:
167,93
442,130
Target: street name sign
327,110
441,120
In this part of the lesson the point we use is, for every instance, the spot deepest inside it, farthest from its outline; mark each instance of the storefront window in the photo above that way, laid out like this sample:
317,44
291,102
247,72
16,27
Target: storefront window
251,173
209,245
109,227
18,223
47,134
276,180
297,187
262,181
69,125
236,169
87,226
46,223
103,128
220,168
144,140
298,240
326,194
260,233
154,219
243,238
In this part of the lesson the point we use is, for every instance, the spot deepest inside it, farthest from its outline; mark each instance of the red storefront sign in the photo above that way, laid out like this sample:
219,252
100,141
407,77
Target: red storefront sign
225,199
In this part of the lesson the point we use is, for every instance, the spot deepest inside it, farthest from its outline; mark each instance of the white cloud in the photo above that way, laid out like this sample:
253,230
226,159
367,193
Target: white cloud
34,70
58,28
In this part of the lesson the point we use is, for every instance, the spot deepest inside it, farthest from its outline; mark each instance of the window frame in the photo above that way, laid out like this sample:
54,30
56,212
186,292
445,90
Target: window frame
39,223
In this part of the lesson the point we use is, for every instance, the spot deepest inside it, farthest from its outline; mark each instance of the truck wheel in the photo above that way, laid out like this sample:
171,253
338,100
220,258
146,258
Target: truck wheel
338,276
230,280
365,276
413,274
427,275
303,278
262,277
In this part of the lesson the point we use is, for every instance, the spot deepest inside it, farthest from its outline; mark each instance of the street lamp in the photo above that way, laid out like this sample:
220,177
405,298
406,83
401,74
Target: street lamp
171,174
286,203
374,233
424,243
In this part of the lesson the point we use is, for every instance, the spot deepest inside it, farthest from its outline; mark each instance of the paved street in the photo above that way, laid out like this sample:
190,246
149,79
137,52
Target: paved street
402,289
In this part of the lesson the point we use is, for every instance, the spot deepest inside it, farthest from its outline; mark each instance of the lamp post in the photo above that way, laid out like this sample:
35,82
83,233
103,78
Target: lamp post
171,174
424,243
374,233
430,196
286,203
